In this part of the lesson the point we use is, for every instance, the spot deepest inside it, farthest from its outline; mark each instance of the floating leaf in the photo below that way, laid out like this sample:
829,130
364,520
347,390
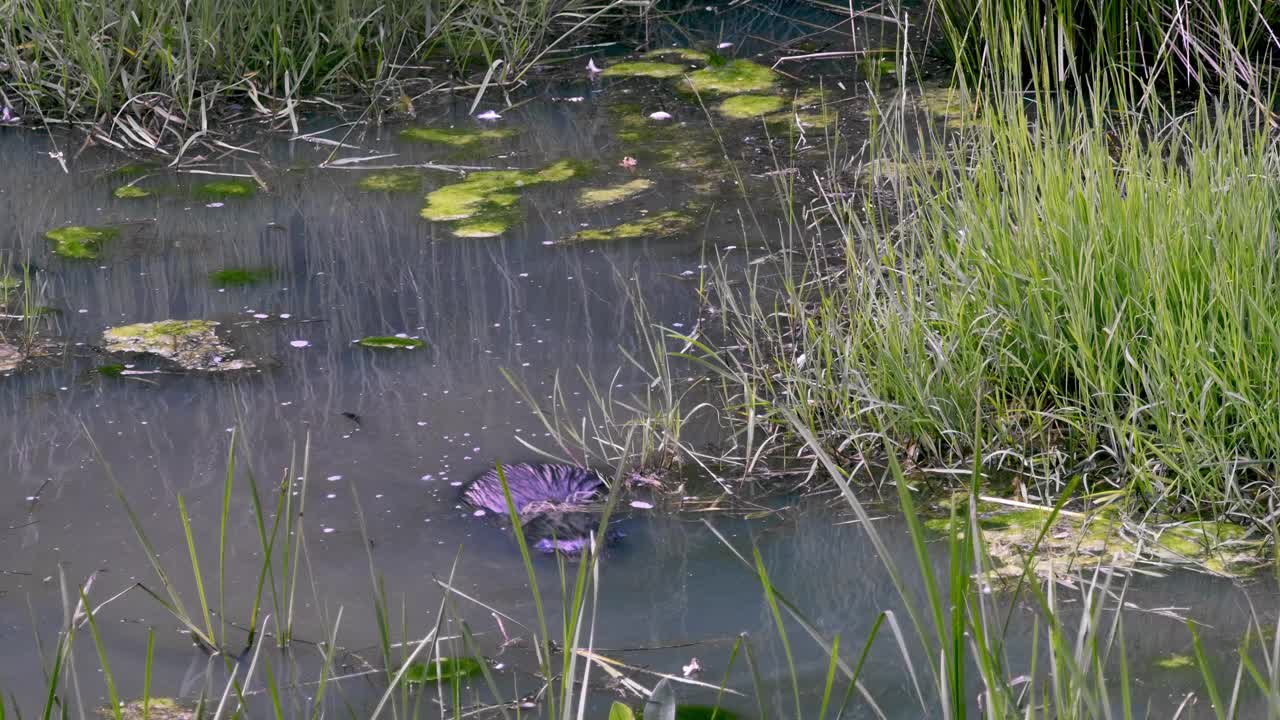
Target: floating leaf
390,342
618,711
111,370
600,197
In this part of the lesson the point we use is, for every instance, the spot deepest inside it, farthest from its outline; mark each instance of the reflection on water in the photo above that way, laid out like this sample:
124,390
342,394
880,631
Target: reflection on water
402,429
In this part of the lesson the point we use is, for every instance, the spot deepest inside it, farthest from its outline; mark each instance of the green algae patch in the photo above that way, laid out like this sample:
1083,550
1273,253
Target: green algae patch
156,708
239,277
1175,662
745,107
644,68
658,225
600,197
390,342
1077,543
131,192
230,188
398,181
189,344
487,199
441,669
80,242
683,53
454,137
732,78
948,103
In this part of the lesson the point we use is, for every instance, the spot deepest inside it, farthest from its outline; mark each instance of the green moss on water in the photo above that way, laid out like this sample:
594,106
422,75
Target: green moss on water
161,332
80,242
600,197
948,103
239,277
132,170
745,107
229,188
490,224
156,708
397,181
131,192
658,225
733,77
644,68
683,53
111,370
1175,662
487,199
454,137
390,342
441,669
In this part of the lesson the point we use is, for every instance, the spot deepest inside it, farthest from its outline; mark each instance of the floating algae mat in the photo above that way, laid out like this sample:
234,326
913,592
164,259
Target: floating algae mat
484,204
600,197
189,344
239,277
236,187
643,68
658,225
455,137
396,181
745,107
80,242
441,669
1076,543
390,342
732,77
131,192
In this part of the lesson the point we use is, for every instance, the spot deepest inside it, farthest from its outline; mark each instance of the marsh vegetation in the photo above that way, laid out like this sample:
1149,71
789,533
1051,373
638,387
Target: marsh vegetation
929,359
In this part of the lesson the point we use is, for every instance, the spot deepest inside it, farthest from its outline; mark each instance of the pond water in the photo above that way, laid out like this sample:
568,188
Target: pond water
330,261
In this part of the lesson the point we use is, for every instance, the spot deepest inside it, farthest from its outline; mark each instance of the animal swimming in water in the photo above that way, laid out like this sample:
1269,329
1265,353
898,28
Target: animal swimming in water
551,500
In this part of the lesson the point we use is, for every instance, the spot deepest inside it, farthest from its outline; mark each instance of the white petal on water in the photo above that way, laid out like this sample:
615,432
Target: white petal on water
660,115
641,505
334,478
214,205
488,115
299,343
478,513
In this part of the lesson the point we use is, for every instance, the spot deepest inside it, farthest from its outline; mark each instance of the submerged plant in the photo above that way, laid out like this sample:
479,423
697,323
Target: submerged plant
236,187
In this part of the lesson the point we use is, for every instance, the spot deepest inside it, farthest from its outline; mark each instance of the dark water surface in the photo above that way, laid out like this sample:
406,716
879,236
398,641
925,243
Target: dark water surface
349,263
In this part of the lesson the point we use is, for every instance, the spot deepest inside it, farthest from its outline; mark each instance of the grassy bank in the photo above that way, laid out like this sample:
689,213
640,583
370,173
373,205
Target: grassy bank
170,65
1095,289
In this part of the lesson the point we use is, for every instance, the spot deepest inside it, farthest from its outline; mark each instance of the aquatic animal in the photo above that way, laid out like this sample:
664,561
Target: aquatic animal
551,501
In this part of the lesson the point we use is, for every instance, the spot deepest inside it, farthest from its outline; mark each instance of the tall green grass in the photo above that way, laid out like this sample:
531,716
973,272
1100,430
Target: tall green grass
168,63
1089,284
1184,41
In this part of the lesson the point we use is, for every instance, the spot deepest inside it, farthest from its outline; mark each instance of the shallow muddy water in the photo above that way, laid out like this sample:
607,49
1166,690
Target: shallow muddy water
333,262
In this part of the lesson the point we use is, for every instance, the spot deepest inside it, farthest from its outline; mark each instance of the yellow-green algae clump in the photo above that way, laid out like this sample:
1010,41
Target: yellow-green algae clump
80,242
483,204
190,344
1075,543
227,188
131,192
395,181
600,197
683,53
456,137
745,107
658,225
642,68
156,708
732,77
